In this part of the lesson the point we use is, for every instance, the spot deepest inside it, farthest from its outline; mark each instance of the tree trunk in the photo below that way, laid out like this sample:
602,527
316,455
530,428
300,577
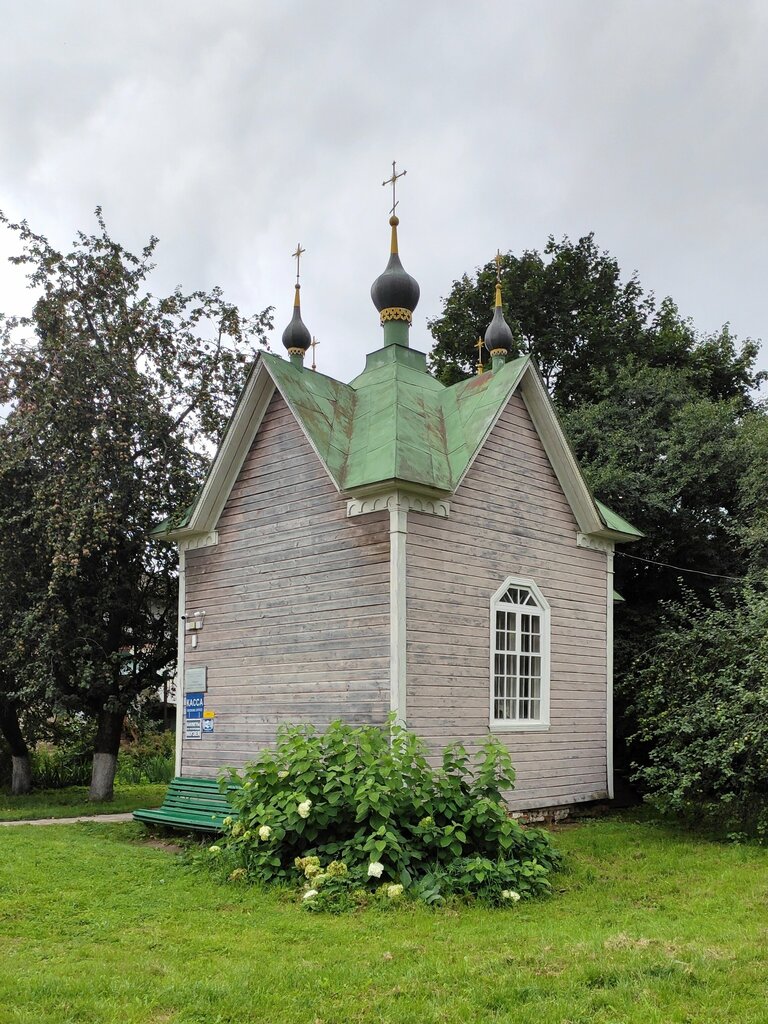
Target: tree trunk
21,780
105,750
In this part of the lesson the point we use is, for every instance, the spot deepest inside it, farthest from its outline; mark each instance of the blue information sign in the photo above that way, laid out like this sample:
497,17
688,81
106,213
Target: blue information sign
194,705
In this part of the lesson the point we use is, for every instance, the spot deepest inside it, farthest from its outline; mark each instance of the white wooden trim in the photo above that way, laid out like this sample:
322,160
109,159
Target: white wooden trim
199,540
562,459
234,448
594,543
541,724
566,468
398,537
402,499
489,431
180,660
228,461
609,676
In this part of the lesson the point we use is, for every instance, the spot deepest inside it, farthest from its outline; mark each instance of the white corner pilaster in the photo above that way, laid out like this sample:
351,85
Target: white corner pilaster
398,537
609,675
180,659
398,503
584,540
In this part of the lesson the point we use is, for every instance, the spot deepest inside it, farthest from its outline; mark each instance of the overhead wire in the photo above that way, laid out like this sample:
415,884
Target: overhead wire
680,568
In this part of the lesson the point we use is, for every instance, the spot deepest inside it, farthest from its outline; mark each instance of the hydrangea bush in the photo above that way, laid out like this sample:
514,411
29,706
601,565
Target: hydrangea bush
358,813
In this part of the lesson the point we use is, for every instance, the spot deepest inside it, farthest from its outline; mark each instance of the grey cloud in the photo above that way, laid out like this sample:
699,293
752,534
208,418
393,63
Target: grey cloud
232,130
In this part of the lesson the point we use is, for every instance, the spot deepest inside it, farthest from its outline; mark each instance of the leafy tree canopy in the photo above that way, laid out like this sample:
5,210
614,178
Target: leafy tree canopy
113,395
665,423
571,310
699,699
654,412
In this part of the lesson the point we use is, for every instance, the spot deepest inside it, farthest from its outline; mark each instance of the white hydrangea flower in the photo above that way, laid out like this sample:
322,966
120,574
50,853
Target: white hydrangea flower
309,894
394,891
227,822
265,832
304,808
214,849
510,894
375,869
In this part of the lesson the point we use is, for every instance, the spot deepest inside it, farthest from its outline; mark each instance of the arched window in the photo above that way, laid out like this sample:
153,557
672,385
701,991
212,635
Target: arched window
519,656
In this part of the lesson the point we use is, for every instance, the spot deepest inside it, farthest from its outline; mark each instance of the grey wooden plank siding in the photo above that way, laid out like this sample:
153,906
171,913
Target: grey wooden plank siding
509,517
296,598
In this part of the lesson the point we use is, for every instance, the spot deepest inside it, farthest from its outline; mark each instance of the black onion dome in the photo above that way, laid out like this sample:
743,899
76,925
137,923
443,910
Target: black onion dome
296,334
499,334
395,288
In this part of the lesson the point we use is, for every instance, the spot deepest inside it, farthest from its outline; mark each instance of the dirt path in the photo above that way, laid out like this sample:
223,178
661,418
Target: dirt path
127,816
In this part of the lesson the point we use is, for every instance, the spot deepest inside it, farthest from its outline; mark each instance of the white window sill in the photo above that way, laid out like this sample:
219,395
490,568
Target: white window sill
519,726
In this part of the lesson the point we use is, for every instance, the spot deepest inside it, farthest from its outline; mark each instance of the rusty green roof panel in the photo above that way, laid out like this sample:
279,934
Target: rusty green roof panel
323,406
396,423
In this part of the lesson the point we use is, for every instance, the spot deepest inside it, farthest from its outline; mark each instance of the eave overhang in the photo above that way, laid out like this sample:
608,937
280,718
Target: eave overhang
393,428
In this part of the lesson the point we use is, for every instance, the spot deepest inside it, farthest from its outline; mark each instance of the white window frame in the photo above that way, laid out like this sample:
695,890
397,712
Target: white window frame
521,725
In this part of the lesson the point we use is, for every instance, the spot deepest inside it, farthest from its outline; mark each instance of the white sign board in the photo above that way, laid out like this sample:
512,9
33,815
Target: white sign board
193,729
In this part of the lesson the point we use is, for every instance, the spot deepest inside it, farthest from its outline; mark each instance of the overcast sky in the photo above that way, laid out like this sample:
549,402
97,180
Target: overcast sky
233,129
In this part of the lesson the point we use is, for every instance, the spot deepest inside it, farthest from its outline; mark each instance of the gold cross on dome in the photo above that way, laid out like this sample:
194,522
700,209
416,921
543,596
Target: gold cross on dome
497,259
297,256
393,181
479,346
313,345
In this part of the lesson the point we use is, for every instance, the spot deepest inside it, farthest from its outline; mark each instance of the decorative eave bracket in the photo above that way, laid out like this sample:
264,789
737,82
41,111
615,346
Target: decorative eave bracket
199,540
404,501
586,540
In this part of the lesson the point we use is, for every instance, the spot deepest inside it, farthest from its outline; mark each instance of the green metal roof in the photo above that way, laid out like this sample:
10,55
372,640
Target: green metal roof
395,421
614,521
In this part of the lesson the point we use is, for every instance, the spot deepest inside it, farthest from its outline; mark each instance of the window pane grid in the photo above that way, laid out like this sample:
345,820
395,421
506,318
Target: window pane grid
517,657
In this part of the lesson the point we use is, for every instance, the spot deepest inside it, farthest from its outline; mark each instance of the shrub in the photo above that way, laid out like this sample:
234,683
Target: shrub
354,812
55,768
149,759
700,701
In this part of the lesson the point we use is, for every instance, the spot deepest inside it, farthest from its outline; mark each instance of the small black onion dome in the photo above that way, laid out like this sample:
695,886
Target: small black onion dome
499,334
296,334
395,288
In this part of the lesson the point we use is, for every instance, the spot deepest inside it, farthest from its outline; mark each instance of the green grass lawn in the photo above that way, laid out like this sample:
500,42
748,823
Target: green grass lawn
646,926
69,803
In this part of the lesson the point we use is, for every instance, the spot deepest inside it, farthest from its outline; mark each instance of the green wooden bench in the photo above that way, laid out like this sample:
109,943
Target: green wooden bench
196,804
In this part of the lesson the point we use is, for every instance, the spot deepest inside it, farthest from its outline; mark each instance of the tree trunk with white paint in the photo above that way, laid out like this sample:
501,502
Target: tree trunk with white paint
105,751
21,779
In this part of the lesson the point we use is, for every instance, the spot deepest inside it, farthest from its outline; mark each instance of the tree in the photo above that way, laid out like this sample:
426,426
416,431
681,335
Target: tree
658,416
20,571
114,397
706,736
751,526
571,311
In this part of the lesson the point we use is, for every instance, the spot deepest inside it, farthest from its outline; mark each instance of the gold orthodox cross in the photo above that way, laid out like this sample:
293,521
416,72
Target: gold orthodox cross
393,181
479,346
297,256
497,259
313,346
